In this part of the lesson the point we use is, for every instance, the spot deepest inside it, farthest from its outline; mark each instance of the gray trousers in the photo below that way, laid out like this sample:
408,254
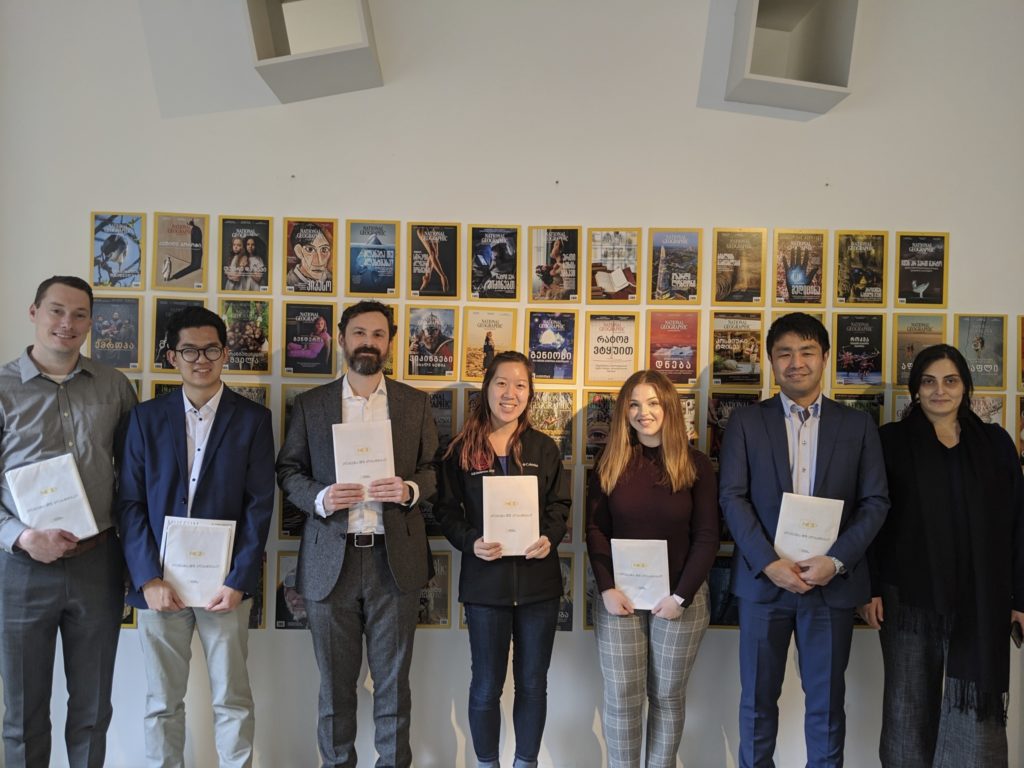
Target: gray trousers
647,659
920,727
166,639
364,602
81,598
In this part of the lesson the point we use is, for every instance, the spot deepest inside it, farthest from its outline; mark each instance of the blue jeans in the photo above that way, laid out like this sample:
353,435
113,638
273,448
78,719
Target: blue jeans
531,629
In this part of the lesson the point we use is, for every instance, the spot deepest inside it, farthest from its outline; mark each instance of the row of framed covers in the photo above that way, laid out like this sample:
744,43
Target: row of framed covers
605,348
620,267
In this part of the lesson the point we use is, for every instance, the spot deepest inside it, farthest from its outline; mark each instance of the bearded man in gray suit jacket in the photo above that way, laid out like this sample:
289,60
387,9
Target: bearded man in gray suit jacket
363,557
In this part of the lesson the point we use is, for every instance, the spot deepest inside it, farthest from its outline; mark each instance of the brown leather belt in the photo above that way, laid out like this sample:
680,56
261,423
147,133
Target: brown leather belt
84,545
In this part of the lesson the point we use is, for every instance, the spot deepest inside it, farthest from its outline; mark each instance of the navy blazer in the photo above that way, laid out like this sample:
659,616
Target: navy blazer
755,472
236,482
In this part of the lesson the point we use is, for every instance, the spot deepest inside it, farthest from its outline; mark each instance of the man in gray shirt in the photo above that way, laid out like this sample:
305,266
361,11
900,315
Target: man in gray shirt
54,401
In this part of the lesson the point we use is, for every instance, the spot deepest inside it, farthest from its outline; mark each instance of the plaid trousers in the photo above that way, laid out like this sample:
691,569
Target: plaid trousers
645,658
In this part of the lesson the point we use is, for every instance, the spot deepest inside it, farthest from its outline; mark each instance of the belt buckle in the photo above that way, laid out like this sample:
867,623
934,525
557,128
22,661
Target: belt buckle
362,540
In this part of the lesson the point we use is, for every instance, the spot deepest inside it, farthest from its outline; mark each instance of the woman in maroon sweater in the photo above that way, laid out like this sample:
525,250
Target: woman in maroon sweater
650,484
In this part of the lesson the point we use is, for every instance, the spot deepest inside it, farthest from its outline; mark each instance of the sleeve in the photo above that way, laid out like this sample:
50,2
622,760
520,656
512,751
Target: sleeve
451,509
141,549
1013,469
872,503
556,498
425,475
258,507
11,527
734,496
704,529
599,534
294,465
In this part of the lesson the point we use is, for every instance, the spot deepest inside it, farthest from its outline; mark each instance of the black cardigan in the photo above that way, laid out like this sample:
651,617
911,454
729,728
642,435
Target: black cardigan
508,580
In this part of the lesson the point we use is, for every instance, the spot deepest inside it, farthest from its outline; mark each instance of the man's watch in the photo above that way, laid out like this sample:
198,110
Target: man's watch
840,568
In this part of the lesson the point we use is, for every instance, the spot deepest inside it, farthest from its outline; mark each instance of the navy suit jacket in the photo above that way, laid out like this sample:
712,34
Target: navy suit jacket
236,482
755,472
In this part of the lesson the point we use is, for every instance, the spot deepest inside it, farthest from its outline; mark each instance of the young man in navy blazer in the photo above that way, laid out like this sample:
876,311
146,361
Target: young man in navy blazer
202,452
800,442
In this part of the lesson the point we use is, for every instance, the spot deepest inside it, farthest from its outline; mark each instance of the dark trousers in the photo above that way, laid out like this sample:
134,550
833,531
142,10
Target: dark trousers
364,602
531,631
82,599
823,637
921,728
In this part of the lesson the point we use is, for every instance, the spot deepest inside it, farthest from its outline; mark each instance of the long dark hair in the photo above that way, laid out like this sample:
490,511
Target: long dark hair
472,444
924,359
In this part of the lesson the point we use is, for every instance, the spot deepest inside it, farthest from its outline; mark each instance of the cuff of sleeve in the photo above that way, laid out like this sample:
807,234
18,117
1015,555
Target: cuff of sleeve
9,534
320,510
680,601
415,495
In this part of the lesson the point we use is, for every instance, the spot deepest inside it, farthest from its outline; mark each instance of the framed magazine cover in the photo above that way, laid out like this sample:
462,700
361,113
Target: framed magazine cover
435,606
721,404
258,393
598,406
673,344
612,342
872,403
860,268
900,405
163,308
289,605
160,387
553,412
922,269
433,333
858,350
566,561
554,263
737,342
372,267
181,244
494,269
551,344
308,341
116,254
245,263
310,258
590,593
1019,430
800,265
442,405
486,331
249,334
434,259
116,336
571,472
613,266
258,614
910,334
739,266
990,408
674,265
290,519
690,401
981,339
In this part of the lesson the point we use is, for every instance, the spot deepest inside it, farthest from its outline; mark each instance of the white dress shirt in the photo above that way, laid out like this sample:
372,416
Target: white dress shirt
198,425
802,436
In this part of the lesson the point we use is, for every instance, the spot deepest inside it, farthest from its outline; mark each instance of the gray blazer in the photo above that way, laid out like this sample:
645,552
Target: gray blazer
305,466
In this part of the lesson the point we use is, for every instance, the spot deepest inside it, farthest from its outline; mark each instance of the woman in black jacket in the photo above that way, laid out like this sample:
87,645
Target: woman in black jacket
947,572
507,598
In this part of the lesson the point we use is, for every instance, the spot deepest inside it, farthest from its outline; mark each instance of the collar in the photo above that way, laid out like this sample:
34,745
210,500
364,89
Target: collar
787,405
29,369
346,389
209,408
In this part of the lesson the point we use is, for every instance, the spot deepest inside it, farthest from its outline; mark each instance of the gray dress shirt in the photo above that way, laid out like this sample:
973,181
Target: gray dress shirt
41,419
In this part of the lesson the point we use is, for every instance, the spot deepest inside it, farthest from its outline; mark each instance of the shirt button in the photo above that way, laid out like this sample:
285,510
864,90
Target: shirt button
803,469
66,414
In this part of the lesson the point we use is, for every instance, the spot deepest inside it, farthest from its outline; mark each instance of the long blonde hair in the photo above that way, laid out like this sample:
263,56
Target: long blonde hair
623,445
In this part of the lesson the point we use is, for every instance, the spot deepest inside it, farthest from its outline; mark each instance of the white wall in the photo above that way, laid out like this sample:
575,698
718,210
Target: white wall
532,113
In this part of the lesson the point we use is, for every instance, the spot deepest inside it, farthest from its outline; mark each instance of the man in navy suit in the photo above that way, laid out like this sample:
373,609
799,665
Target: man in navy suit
202,452
798,442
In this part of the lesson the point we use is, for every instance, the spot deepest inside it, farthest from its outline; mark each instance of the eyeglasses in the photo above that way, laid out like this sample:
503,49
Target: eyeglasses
191,354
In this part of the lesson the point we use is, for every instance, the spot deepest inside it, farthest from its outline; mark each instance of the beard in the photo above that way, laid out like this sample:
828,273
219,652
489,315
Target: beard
366,361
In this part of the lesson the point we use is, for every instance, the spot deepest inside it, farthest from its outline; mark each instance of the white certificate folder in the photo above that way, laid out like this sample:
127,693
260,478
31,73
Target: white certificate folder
511,512
50,494
196,556
808,526
363,452
641,570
